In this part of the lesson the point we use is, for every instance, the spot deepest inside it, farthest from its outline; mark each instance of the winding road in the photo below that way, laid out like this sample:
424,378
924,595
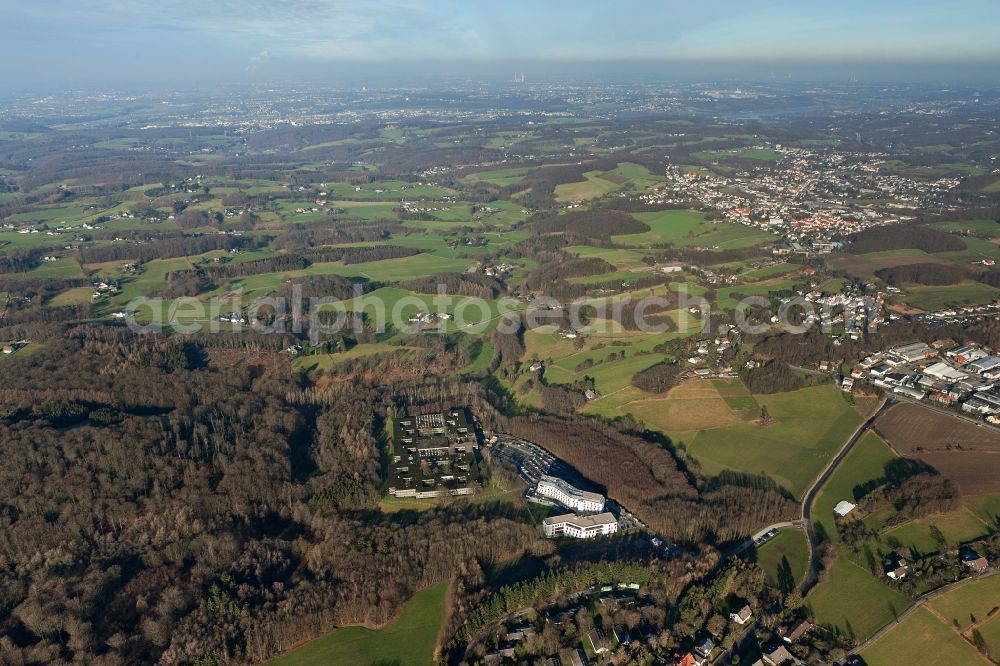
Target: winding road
812,570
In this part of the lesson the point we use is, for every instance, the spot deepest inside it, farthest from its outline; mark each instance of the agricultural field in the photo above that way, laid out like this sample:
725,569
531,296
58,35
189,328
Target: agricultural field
975,598
622,259
770,271
957,449
852,600
986,507
922,638
594,185
729,297
692,406
958,527
931,298
409,640
760,154
863,266
865,462
390,190
806,428
687,228
988,227
790,545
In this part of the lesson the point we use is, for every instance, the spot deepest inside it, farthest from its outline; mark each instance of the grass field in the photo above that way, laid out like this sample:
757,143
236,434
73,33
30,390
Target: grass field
592,187
865,462
933,298
692,406
737,396
726,298
790,544
501,177
771,271
851,599
922,639
688,228
976,598
760,154
957,527
809,426
409,640
986,507
622,259
990,631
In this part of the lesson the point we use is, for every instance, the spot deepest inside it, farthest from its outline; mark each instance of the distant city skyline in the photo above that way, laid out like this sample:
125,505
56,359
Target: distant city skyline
103,41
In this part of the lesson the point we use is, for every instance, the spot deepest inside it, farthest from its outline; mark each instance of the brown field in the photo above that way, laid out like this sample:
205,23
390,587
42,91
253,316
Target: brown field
863,267
959,450
974,471
866,404
692,405
911,429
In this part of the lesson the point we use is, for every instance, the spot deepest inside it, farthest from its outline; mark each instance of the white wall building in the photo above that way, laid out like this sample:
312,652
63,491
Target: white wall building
570,497
580,527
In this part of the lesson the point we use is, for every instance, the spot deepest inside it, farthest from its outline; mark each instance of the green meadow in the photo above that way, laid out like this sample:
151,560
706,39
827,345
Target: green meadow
808,427
409,640
688,228
790,545
922,639
851,599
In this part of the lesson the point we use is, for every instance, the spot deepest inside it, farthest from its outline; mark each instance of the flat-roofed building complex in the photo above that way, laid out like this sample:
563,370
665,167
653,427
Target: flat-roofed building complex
435,455
580,527
570,497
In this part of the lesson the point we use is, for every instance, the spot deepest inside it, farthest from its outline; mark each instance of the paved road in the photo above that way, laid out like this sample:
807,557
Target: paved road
812,572
739,548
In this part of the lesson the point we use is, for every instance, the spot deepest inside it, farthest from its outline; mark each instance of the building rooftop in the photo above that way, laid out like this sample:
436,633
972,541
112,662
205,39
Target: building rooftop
581,522
571,490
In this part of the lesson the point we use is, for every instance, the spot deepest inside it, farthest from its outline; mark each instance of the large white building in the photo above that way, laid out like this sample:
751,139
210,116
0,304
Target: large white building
580,527
570,497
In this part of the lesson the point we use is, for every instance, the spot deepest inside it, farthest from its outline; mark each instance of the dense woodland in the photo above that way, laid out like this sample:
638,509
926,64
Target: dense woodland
180,501
904,236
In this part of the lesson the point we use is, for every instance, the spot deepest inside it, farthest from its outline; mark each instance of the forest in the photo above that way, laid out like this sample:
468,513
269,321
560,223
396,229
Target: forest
197,501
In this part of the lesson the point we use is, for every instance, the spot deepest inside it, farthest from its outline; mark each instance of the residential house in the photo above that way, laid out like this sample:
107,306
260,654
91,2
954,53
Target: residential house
741,616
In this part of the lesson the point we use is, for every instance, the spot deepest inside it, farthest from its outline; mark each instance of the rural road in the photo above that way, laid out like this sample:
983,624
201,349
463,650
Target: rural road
812,571
919,602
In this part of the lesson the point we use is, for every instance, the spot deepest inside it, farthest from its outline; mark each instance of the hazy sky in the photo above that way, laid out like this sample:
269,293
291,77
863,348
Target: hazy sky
101,40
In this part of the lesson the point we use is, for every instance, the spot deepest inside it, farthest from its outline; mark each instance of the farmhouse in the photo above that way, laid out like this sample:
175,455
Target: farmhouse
570,497
843,508
973,561
580,527
896,567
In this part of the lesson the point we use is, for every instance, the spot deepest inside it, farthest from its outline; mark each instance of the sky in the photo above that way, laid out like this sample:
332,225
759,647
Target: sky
65,41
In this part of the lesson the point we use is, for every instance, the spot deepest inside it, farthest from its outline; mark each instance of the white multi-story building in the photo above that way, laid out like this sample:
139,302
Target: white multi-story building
570,497
580,527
